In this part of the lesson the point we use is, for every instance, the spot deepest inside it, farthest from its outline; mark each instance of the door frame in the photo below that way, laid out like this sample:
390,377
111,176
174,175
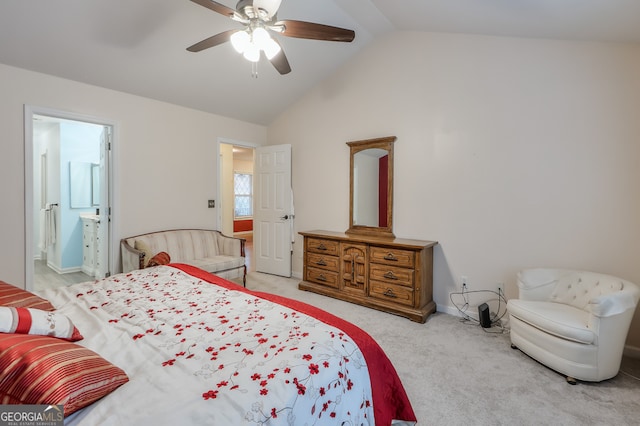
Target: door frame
29,112
233,142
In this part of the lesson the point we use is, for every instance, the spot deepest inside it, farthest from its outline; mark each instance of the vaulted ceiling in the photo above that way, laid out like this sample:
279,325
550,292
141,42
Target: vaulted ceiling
139,46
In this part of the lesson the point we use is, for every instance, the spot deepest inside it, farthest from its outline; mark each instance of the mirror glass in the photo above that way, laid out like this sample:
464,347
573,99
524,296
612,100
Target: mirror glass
371,203
84,179
95,185
370,187
80,188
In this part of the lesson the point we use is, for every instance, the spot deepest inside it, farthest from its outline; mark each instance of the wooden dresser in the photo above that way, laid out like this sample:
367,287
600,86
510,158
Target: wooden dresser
390,274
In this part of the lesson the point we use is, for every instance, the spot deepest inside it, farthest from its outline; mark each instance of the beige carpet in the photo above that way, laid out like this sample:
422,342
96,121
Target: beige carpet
458,374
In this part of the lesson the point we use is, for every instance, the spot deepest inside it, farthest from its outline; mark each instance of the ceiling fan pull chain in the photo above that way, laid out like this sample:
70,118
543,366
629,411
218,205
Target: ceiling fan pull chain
254,69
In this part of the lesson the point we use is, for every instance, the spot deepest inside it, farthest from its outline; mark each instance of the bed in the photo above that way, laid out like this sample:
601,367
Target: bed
198,349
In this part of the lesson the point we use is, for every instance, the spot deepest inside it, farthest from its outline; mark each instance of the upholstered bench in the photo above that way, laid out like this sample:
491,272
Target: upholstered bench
206,249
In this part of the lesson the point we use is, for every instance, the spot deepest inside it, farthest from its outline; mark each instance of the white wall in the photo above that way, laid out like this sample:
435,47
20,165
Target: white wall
166,157
512,153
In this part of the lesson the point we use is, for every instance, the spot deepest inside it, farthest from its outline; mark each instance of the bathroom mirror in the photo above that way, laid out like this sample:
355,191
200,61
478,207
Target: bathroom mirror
371,187
80,184
95,185
84,184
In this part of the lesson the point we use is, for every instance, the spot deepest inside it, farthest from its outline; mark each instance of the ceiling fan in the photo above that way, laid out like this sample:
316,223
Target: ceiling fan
259,17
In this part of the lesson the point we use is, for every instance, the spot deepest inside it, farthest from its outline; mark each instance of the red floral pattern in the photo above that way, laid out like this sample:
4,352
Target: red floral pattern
286,367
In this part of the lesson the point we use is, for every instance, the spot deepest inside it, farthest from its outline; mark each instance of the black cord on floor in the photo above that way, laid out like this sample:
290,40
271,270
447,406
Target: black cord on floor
495,321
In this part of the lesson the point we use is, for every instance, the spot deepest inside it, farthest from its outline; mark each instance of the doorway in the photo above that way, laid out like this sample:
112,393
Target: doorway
235,205
271,248
274,211
67,198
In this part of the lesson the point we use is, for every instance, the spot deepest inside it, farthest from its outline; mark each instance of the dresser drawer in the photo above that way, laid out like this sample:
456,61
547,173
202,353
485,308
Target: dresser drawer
391,256
391,292
320,276
391,274
329,263
328,247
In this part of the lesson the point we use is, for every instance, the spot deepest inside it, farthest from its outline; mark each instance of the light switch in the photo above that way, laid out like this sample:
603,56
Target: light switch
212,204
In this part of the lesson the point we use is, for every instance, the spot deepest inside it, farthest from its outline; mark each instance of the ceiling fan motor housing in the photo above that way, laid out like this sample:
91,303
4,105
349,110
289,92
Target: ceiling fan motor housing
262,9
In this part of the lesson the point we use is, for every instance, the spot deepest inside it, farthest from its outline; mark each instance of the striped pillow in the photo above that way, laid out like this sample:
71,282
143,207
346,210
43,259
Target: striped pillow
46,370
35,321
11,295
161,258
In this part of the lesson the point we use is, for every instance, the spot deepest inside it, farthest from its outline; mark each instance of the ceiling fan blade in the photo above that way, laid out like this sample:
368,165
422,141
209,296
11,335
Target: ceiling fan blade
280,61
211,41
310,30
216,7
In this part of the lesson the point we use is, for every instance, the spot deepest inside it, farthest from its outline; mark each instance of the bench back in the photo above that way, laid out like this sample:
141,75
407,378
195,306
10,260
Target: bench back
182,245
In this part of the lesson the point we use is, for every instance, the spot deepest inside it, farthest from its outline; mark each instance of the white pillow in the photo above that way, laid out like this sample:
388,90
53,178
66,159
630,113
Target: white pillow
36,321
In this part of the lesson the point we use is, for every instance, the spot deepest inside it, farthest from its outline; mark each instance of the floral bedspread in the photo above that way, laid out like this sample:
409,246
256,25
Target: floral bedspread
201,350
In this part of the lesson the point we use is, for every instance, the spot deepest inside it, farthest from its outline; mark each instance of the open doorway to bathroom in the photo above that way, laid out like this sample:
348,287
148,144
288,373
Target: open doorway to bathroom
236,195
69,227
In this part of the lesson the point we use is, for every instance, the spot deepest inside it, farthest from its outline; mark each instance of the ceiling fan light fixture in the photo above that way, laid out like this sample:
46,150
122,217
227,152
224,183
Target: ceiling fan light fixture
271,49
252,53
240,40
260,37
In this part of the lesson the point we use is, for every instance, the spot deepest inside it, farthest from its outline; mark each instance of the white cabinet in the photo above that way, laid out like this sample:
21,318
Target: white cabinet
91,256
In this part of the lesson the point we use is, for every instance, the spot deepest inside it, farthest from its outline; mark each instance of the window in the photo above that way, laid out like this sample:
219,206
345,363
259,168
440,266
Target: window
243,194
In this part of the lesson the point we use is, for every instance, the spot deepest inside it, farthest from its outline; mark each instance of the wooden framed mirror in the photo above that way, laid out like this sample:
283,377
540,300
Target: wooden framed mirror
371,187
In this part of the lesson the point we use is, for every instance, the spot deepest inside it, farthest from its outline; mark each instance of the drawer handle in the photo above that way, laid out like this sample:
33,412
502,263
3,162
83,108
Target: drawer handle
390,256
321,262
321,247
321,277
390,275
389,293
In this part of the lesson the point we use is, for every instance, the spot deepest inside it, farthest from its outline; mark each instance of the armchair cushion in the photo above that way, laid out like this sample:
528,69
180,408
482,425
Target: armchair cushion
222,263
560,320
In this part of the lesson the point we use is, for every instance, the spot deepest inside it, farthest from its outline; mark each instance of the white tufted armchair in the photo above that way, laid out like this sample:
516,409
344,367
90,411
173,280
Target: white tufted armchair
572,321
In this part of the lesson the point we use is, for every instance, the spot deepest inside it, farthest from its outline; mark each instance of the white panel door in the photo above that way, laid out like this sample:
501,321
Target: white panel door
273,210
103,262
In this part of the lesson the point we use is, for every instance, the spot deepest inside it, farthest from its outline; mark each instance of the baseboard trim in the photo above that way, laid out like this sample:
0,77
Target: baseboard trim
448,310
54,267
65,270
632,351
